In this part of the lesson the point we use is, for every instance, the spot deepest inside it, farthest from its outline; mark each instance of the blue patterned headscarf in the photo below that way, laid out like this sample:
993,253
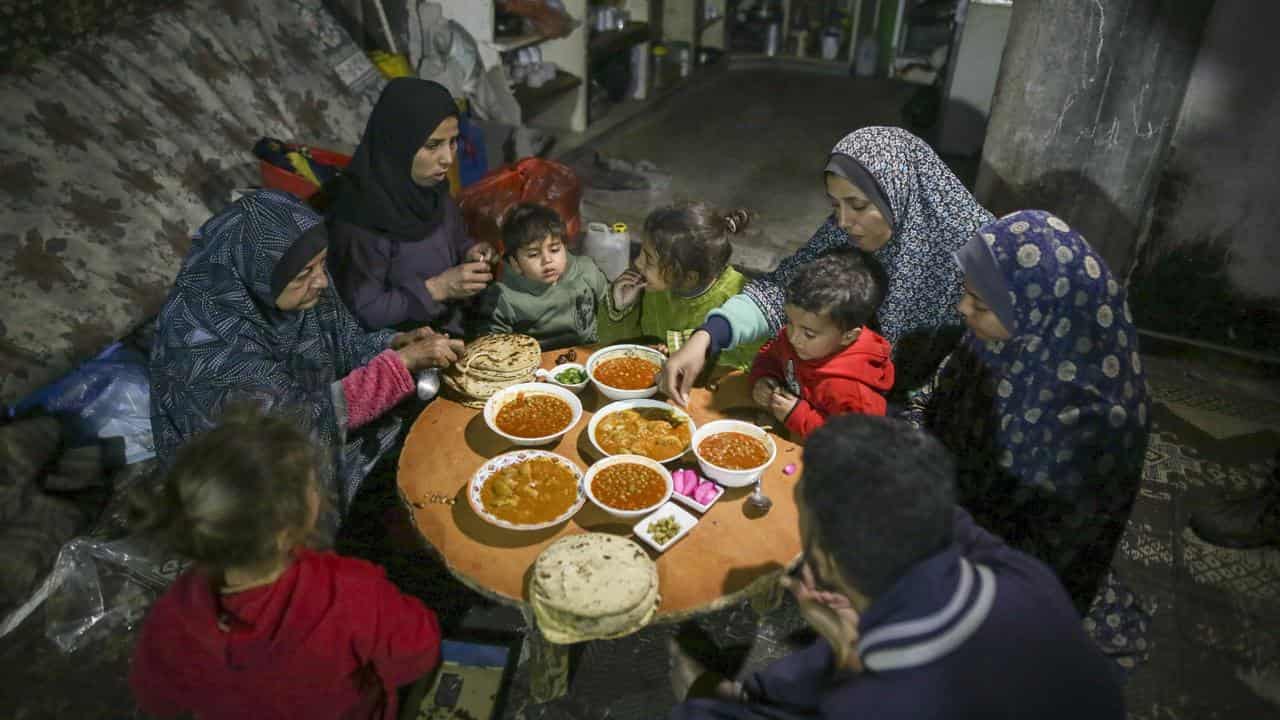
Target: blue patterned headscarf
1058,413
932,215
1070,389
220,338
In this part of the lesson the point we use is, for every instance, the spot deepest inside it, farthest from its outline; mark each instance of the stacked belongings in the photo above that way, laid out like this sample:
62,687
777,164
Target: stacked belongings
491,363
593,586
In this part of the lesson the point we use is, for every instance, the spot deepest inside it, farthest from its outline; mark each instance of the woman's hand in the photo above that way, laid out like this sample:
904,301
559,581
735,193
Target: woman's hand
677,376
829,613
627,289
460,281
437,350
762,393
400,340
481,252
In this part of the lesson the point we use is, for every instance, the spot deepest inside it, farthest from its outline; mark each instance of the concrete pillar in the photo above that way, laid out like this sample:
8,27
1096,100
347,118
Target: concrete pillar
1086,102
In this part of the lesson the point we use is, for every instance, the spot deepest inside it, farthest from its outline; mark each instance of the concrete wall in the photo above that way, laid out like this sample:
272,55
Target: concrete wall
1209,266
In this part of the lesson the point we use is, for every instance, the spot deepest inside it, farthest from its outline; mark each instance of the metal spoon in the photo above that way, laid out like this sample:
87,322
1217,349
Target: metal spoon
758,501
428,383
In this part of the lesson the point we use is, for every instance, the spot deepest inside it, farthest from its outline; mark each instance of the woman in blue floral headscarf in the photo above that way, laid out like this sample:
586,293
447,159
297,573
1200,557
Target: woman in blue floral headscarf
1044,403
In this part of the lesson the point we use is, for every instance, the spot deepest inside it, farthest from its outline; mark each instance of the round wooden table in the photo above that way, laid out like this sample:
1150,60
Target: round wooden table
730,555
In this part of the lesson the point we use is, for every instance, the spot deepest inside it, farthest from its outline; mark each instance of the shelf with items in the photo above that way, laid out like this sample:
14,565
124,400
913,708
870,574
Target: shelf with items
511,43
561,103
534,100
705,23
608,42
814,33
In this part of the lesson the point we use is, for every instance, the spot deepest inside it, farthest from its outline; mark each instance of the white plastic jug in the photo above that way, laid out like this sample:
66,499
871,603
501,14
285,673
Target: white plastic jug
867,56
610,248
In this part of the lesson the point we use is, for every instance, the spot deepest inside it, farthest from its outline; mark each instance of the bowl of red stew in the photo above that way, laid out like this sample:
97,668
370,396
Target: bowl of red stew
732,452
626,372
628,486
531,414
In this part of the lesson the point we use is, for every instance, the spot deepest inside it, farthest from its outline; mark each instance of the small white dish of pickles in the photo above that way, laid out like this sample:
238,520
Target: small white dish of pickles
665,526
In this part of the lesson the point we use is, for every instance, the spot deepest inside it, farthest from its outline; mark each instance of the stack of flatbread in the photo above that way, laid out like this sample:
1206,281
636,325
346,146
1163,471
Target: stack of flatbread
591,587
491,363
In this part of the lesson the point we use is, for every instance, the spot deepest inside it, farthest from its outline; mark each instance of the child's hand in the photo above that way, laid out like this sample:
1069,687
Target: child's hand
762,393
781,404
627,289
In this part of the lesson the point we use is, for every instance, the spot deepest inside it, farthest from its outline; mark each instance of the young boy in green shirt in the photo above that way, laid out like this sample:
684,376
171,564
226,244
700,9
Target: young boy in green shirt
544,292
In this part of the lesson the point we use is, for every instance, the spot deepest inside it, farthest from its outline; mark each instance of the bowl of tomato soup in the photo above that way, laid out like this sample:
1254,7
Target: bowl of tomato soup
628,486
531,414
625,372
732,452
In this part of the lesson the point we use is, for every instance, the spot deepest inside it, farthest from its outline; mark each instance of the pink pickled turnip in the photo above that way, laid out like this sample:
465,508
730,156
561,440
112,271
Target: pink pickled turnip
684,484
790,469
706,492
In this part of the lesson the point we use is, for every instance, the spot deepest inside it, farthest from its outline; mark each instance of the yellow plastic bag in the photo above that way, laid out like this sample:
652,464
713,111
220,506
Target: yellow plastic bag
391,65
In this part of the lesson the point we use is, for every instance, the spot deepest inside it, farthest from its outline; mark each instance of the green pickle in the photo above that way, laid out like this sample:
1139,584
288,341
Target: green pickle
664,529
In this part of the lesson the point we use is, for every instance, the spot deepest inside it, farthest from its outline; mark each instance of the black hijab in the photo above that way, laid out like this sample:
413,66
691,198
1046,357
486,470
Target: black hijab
378,192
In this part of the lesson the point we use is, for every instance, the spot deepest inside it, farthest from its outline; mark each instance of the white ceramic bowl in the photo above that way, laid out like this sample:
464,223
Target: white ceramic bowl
506,395
550,376
614,407
725,476
506,460
619,459
617,351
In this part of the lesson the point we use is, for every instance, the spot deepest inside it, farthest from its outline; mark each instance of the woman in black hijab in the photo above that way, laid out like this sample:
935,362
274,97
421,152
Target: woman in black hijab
398,251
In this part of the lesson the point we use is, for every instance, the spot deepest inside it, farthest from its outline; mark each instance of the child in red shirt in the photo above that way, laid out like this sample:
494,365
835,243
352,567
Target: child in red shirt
825,362
264,627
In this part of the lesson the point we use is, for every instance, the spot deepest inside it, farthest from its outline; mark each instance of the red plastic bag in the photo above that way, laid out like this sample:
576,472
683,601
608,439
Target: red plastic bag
549,19
485,202
278,178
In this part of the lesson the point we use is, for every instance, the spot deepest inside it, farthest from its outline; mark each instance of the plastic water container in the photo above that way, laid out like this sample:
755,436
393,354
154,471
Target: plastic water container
866,56
610,248
639,72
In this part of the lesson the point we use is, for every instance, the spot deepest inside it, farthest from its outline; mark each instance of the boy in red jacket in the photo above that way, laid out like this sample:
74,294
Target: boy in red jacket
825,362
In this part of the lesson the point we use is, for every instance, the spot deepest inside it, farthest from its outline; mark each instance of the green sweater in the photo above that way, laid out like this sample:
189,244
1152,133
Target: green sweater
674,318
558,315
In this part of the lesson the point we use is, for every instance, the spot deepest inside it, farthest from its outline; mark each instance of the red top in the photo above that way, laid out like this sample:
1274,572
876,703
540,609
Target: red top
331,638
853,380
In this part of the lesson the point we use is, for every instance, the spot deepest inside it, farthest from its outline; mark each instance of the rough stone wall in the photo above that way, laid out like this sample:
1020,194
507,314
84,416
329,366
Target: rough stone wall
1209,267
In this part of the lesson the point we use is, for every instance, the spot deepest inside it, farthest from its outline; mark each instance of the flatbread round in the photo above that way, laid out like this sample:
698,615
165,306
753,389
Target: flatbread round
593,586
491,363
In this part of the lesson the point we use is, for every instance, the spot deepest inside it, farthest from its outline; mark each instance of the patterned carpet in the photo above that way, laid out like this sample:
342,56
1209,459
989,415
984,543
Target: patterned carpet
1216,623
1214,640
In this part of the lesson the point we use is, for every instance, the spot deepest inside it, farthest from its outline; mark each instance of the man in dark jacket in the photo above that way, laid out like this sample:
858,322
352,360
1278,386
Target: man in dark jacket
920,612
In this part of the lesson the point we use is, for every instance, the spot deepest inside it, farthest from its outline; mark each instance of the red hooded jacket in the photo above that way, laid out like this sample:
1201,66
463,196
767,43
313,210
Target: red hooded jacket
331,638
853,380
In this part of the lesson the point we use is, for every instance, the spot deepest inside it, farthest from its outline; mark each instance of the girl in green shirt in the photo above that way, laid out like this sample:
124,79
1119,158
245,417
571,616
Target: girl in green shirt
682,274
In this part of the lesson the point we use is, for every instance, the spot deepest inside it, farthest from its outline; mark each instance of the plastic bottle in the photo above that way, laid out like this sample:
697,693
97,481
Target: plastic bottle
639,72
609,248
865,60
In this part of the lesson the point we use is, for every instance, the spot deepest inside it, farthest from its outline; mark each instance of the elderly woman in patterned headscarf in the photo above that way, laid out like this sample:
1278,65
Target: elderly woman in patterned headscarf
893,198
1044,403
252,318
